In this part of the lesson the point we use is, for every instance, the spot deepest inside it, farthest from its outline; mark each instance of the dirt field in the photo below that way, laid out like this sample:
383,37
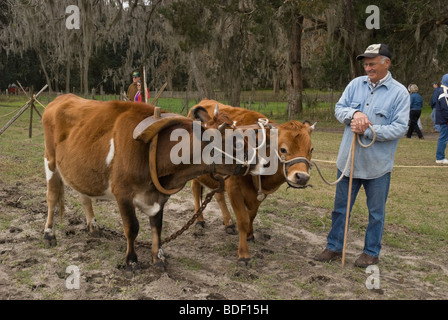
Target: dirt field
201,264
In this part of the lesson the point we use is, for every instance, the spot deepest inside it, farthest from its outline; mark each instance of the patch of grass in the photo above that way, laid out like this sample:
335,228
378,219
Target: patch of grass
227,248
5,222
23,277
190,264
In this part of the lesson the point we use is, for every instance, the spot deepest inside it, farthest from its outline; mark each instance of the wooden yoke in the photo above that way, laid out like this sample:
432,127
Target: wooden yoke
148,131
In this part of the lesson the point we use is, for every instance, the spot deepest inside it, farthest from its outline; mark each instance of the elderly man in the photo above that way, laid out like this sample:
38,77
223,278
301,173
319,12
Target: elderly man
132,89
380,101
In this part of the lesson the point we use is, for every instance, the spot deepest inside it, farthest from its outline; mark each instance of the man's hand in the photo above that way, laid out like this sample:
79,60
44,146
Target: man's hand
359,123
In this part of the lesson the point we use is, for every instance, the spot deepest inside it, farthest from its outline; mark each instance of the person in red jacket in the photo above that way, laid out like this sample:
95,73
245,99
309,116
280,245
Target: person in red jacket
139,97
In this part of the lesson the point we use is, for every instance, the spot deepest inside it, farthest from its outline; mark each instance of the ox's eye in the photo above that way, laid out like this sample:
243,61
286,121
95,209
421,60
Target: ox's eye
283,150
311,151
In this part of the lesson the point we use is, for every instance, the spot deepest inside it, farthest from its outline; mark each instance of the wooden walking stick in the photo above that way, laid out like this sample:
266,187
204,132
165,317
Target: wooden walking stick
349,197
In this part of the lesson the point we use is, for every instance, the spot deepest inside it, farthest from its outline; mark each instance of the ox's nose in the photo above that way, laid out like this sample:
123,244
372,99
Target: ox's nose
302,178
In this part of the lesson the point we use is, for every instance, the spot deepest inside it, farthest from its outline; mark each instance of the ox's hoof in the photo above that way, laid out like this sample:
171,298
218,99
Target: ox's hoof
200,224
160,265
96,233
231,229
245,262
131,269
132,266
49,240
95,229
199,229
159,261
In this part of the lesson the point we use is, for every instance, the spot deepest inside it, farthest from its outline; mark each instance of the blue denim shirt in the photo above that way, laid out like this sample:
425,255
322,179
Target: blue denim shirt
387,107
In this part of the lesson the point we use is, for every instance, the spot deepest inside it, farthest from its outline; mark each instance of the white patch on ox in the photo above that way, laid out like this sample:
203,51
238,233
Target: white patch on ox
148,209
107,194
111,153
48,172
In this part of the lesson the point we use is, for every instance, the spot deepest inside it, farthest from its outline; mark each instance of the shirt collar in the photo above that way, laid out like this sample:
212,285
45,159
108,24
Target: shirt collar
379,83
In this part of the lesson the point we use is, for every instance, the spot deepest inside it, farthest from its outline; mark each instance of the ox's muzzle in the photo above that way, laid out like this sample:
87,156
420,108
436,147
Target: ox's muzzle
297,179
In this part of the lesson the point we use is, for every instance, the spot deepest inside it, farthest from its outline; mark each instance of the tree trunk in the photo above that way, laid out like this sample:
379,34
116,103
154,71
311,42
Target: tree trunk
86,42
276,82
351,39
235,93
295,80
67,74
85,74
204,88
47,77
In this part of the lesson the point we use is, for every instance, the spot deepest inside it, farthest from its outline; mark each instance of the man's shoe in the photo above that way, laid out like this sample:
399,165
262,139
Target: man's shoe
328,256
443,161
364,260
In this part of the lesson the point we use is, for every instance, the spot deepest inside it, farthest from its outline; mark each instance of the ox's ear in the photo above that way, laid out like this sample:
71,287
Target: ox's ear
200,113
151,126
308,124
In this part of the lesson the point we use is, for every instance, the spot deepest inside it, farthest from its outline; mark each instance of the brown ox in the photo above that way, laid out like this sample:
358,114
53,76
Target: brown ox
92,146
294,142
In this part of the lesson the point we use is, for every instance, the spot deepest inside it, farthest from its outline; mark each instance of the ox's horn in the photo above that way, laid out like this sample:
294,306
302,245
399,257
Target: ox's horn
151,126
313,127
222,127
215,113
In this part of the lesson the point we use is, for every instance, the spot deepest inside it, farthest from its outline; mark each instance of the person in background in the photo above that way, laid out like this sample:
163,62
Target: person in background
436,127
415,112
132,89
442,120
139,97
379,101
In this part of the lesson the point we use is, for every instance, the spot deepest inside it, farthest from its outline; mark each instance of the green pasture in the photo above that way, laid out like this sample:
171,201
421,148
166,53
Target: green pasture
416,210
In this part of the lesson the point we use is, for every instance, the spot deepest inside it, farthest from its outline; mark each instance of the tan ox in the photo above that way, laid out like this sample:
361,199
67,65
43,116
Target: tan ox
294,151
106,150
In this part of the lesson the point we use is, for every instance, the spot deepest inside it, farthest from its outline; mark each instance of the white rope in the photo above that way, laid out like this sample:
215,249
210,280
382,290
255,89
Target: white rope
348,158
261,123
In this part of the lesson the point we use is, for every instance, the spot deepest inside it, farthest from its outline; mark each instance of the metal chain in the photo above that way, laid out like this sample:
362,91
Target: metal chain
208,198
173,236
204,204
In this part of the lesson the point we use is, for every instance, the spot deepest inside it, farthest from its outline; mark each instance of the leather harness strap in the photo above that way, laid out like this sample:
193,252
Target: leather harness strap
153,168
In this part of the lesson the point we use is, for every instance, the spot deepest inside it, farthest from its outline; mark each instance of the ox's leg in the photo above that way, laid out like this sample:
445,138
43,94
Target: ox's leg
152,203
55,197
131,227
156,222
196,189
226,217
243,223
92,225
252,209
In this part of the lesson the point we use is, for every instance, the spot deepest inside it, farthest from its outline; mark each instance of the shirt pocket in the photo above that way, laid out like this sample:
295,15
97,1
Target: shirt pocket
382,115
355,105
